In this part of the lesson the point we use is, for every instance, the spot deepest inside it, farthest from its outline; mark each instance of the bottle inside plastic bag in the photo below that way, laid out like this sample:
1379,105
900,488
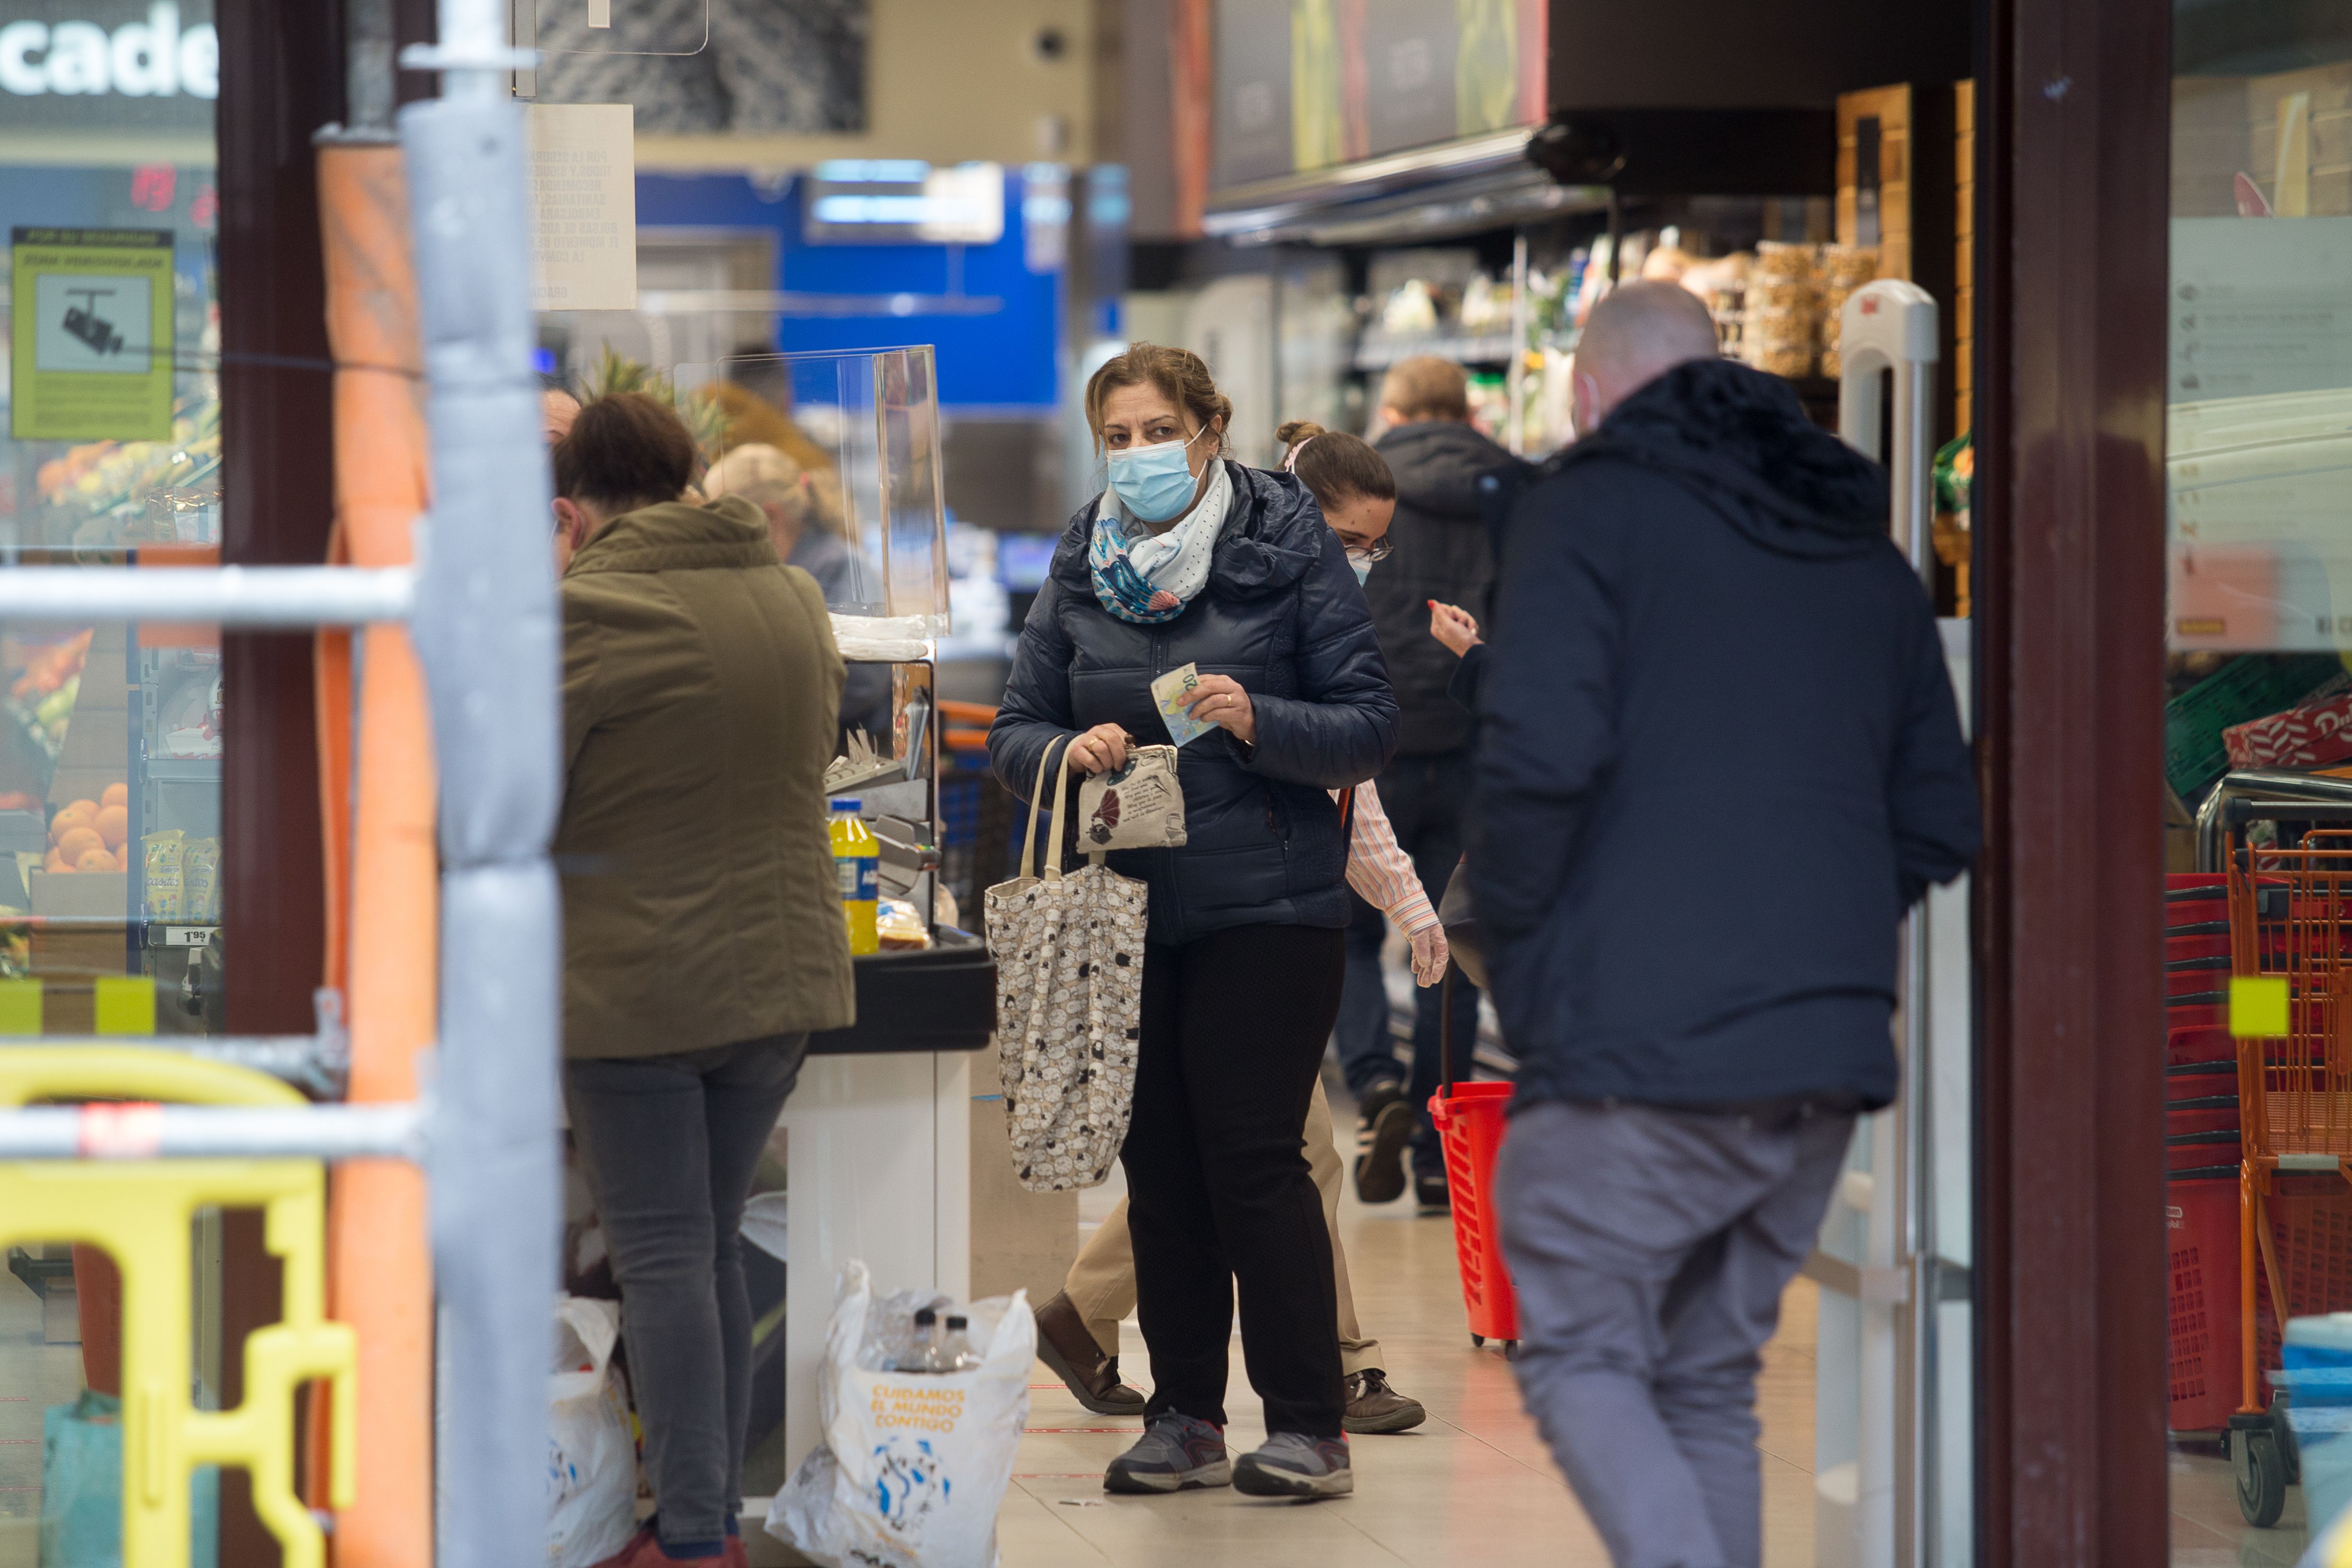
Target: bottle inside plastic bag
893,1339
955,1353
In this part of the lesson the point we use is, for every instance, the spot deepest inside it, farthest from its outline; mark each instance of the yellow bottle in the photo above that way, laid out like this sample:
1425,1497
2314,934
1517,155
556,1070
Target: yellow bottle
858,864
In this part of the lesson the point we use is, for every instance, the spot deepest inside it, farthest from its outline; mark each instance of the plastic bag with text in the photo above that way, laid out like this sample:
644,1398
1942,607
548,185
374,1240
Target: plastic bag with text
913,1465
592,1459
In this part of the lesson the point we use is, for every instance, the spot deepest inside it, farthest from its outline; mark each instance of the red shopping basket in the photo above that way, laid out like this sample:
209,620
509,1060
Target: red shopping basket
1470,1120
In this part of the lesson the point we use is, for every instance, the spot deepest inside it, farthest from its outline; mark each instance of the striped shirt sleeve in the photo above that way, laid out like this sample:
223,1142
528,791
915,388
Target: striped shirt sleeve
1379,869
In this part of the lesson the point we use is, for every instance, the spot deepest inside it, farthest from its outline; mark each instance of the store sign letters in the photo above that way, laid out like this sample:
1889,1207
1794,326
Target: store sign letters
153,57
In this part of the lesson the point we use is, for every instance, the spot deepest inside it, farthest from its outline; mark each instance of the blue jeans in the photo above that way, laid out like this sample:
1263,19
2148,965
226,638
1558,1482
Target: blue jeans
1423,797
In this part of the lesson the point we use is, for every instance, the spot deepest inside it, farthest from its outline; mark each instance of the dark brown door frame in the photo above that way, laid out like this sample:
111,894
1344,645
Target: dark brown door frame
2072,138
281,79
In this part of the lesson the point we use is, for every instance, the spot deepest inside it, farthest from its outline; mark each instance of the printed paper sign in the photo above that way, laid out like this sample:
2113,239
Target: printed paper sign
1165,691
583,197
90,347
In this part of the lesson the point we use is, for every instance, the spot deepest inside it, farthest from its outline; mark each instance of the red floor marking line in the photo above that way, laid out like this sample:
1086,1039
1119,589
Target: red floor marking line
1024,1430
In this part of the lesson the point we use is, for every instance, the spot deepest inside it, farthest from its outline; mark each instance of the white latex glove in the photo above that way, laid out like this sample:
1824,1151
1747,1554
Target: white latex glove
1429,956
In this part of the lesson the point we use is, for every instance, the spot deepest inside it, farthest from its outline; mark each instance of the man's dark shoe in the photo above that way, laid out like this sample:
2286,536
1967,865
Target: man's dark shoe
1066,1344
1430,1191
1380,1138
1374,1407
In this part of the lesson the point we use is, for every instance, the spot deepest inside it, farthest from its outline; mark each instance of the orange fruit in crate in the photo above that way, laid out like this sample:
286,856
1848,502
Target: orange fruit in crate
78,841
81,814
55,864
113,825
115,795
95,860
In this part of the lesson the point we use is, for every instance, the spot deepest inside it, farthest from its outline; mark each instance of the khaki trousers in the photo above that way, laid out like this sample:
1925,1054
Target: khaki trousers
1101,1283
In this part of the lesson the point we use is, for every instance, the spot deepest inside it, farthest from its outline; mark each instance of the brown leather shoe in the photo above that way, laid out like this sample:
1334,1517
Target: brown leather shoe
1064,1343
1374,1407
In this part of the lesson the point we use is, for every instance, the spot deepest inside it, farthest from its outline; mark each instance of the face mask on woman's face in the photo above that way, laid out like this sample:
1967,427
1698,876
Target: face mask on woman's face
1154,482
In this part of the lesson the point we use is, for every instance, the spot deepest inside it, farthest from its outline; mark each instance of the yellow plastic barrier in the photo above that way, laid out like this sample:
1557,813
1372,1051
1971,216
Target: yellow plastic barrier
142,1214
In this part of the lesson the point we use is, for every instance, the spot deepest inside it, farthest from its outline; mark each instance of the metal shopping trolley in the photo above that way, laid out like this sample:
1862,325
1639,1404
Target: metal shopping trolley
2291,956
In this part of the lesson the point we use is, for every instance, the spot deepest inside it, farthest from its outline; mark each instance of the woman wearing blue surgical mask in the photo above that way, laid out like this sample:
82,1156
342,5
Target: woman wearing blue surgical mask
1351,482
1188,558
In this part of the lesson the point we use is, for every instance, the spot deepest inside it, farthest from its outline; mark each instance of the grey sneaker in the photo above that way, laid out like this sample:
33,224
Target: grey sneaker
1295,1464
1174,1452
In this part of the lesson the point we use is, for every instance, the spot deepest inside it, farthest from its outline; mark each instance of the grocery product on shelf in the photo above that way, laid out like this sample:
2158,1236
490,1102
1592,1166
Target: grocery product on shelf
1843,269
88,835
161,861
1782,310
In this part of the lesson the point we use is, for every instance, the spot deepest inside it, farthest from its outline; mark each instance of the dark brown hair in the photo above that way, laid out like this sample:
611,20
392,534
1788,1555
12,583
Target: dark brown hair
626,448
1180,376
1334,463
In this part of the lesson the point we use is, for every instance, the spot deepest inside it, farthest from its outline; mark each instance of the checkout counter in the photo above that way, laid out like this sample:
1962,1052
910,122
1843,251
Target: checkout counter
879,1131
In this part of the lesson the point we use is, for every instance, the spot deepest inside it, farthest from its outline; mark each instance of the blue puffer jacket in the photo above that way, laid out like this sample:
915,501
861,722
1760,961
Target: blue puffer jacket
1281,614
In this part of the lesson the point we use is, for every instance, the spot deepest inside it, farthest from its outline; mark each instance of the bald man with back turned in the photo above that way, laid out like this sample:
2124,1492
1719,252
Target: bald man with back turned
1718,758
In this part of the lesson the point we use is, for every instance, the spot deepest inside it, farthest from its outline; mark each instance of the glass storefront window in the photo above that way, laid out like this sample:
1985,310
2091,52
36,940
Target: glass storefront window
111,735
2259,385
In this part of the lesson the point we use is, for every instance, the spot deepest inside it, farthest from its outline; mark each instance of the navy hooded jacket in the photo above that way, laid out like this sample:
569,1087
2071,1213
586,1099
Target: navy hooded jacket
1719,756
1282,614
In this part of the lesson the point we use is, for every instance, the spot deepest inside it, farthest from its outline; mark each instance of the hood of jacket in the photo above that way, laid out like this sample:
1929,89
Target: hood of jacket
1738,438
679,535
1272,532
1437,464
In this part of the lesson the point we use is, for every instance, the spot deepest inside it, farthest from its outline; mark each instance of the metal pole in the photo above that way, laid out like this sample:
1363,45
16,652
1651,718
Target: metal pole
137,1131
270,597
368,81
486,633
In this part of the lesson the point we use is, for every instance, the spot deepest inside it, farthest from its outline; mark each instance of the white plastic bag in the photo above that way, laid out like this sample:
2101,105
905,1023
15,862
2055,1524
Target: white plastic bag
913,1465
592,1459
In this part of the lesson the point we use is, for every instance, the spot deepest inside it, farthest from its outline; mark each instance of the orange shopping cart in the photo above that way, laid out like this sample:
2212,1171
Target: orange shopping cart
2290,984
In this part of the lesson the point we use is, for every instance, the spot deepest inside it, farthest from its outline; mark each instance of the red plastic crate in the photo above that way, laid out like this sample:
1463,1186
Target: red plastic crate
2311,1232
2201,1350
1471,1126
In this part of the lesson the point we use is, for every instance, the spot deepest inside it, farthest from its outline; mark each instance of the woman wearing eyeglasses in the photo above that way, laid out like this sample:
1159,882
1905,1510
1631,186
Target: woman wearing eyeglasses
1189,557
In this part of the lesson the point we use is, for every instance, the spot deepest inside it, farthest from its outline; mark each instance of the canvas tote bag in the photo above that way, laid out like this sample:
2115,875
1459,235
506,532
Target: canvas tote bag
1069,999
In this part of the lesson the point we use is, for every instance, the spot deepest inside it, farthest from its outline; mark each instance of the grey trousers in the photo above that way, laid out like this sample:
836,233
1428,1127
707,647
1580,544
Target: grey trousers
669,1144
1649,1249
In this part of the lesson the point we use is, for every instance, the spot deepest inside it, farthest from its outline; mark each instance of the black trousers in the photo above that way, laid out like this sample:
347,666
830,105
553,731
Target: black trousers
1218,1190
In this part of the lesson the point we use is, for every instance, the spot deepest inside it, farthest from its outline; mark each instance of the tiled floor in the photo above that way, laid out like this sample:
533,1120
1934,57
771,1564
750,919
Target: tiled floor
33,1376
1474,1486
2208,1531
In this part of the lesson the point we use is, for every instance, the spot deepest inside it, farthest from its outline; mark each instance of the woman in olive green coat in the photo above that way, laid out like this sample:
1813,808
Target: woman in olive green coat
703,936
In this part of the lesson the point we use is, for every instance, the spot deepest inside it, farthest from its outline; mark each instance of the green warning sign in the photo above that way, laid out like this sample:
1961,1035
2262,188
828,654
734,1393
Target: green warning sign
90,348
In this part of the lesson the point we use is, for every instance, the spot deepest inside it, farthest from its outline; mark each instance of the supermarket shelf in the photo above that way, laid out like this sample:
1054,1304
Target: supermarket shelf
184,770
1486,349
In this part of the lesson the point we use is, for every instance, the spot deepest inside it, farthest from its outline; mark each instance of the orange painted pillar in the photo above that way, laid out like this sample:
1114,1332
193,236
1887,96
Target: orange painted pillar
383,866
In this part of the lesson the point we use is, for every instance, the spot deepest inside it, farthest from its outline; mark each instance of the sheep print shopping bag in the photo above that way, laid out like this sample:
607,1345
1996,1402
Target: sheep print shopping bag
1069,1001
